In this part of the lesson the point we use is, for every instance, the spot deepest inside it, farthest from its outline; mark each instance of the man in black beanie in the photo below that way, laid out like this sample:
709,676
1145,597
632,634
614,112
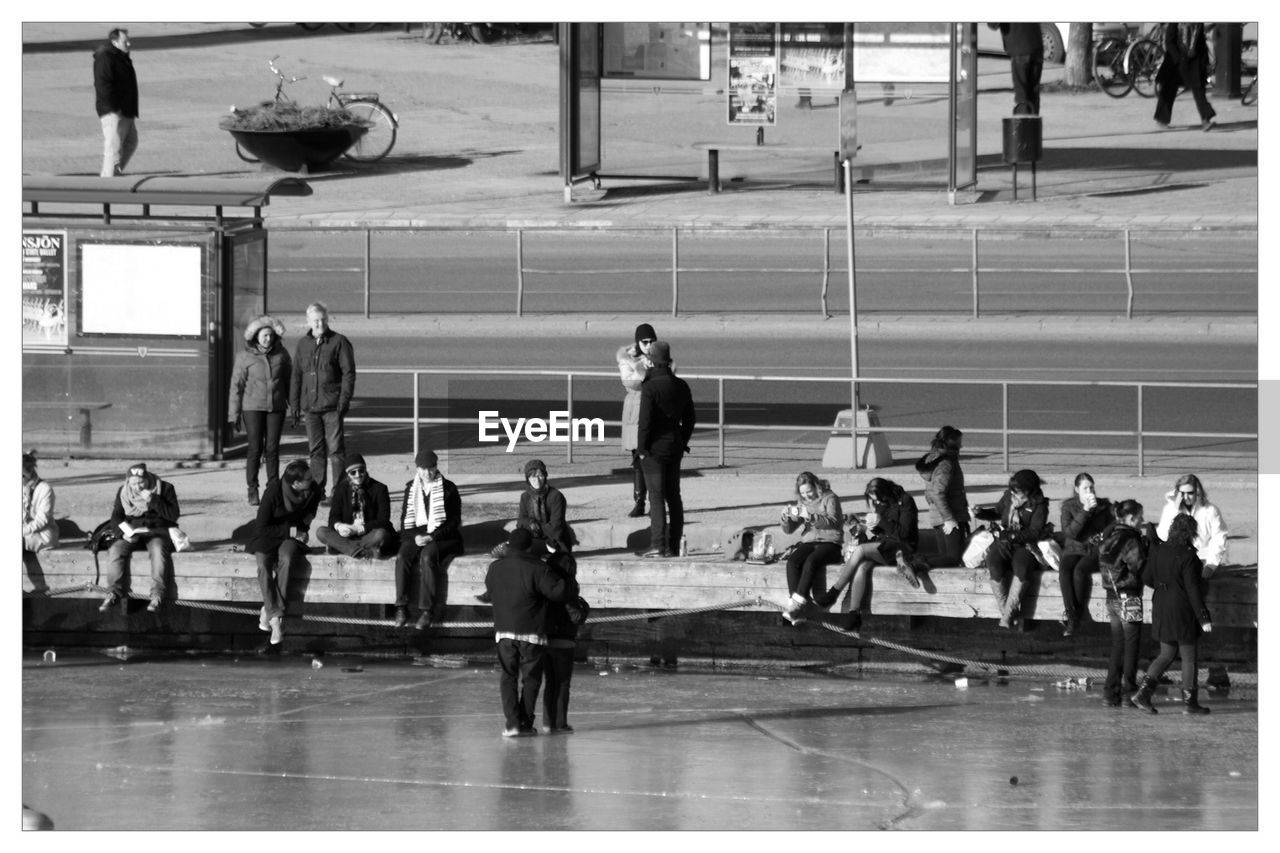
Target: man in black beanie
359,516
430,537
666,424
520,586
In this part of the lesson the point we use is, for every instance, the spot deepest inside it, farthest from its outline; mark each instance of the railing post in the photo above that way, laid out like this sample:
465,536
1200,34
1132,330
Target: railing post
1141,442
568,396
975,273
675,270
519,272
826,268
720,418
368,253
1004,405
1128,275
416,413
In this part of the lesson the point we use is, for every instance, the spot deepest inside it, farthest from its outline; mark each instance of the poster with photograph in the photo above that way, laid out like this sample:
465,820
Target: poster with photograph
812,57
44,287
753,74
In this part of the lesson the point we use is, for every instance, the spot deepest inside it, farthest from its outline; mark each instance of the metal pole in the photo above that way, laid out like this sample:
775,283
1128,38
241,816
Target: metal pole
1128,274
720,419
368,240
519,272
1141,444
675,270
416,413
569,404
853,305
826,269
1004,425
975,273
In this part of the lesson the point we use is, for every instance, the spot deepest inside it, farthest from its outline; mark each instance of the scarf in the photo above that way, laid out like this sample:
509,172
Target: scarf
357,504
293,500
426,501
28,497
540,504
131,499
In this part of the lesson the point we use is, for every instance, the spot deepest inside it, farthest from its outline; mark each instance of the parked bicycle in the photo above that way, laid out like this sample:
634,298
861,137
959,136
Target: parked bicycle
1121,65
383,125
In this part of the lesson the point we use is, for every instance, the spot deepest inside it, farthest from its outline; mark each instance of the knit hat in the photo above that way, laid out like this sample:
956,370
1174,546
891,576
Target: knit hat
137,469
29,460
534,465
660,353
354,459
645,332
266,321
519,540
426,459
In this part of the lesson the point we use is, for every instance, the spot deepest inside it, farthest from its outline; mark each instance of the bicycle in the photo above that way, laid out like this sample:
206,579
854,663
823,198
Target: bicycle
376,142
1121,65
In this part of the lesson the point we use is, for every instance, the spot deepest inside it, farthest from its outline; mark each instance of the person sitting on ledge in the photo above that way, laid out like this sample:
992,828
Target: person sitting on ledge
430,534
359,516
279,542
144,510
817,511
1189,498
1024,512
39,529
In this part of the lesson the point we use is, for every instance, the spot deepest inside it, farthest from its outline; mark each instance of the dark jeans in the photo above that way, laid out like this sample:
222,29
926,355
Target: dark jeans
1125,637
807,566
263,432
1026,84
325,440
666,507
1190,75
376,542
1003,557
952,548
520,681
1073,581
158,547
433,590
557,673
1187,651
273,574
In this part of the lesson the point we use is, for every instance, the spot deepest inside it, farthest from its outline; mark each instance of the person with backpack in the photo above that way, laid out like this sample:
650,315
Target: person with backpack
145,508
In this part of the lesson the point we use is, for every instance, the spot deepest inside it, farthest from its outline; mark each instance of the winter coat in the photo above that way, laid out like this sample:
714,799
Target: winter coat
450,528
324,374
1120,559
1021,39
1211,530
521,586
162,510
564,619
632,368
944,488
549,524
271,527
1032,518
898,527
667,416
39,529
1082,529
260,381
115,84
1177,608
825,522
377,505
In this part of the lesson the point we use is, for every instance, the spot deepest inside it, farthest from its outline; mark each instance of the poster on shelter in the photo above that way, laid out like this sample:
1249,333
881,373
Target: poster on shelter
44,287
812,57
753,74
657,50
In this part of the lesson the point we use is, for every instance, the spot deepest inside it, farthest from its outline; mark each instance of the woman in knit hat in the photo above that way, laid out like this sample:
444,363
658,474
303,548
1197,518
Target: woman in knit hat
259,397
632,365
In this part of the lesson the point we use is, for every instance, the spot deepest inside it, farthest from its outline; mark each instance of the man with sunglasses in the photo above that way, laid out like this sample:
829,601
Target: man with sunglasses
1189,498
359,516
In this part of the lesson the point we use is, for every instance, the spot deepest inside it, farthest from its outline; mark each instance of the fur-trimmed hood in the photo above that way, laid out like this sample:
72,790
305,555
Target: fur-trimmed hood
266,321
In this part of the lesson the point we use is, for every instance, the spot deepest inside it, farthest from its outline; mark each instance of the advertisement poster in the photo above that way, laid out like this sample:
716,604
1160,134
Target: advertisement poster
657,51
44,287
812,57
753,74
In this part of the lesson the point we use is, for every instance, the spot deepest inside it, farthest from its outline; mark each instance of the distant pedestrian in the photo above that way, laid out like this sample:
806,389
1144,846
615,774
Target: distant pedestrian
521,586
563,622
39,529
1121,556
1185,64
259,397
944,491
359,515
144,510
1024,44
1024,511
666,424
116,90
1189,498
1084,518
324,380
430,536
818,515
542,512
1178,614
279,542
632,365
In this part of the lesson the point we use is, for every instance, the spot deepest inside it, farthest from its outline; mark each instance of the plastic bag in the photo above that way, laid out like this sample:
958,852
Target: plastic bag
975,553
181,542
1049,554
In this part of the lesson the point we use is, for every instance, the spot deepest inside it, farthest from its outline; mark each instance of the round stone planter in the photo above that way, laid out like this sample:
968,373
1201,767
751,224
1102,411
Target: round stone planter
295,150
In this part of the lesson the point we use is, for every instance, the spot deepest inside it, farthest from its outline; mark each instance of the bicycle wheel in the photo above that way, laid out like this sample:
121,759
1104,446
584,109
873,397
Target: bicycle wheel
245,155
1108,68
311,28
357,28
381,136
1142,62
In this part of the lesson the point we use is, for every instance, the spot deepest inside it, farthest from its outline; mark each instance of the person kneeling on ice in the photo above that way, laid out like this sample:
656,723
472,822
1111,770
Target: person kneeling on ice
520,587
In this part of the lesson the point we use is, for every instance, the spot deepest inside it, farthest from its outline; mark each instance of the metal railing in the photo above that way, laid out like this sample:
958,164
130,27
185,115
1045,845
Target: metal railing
722,427
821,269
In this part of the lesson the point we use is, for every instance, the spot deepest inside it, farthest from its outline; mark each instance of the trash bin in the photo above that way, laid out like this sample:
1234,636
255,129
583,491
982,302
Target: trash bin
1022,139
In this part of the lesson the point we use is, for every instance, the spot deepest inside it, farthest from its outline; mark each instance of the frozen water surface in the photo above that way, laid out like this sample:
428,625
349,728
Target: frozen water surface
253,743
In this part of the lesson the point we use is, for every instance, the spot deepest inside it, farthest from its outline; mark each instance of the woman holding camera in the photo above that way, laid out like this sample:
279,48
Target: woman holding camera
817,510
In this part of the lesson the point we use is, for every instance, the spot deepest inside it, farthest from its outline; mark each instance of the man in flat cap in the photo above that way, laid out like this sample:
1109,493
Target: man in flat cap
359,515
666,424
430,536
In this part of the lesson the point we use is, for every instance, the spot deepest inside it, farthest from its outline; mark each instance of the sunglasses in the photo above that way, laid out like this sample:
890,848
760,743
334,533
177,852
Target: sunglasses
352,472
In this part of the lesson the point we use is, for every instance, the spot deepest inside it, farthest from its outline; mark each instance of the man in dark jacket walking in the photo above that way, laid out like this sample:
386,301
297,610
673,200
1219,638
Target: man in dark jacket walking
360,515
324,379
666,424
116,89
521,586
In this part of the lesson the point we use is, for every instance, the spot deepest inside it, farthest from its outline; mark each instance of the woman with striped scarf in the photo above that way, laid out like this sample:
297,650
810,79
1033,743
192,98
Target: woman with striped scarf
430,537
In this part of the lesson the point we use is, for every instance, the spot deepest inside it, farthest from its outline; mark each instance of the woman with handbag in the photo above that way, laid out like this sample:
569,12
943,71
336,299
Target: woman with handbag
1120,559
1084,518
259,397
817,511
1178,614
944,491
1023,511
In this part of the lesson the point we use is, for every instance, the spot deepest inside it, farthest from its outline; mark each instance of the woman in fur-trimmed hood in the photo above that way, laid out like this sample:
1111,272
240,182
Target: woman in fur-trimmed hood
259,397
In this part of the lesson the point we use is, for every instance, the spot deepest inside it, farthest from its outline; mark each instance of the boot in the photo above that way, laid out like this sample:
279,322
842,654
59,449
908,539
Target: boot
1070,623
638,494
998,591
1191,703
853,621
1009,615
826,599
1142,699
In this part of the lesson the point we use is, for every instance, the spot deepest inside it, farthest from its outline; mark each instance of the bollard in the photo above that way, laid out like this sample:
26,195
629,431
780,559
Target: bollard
50,656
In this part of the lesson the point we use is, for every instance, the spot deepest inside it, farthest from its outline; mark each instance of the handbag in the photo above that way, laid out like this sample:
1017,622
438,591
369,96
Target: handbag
1130,607
1048,554
975,553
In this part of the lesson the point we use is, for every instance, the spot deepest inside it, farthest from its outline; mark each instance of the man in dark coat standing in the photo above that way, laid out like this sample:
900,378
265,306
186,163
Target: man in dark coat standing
360,515
116,89
324,380
521,586
666,424
1025,46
